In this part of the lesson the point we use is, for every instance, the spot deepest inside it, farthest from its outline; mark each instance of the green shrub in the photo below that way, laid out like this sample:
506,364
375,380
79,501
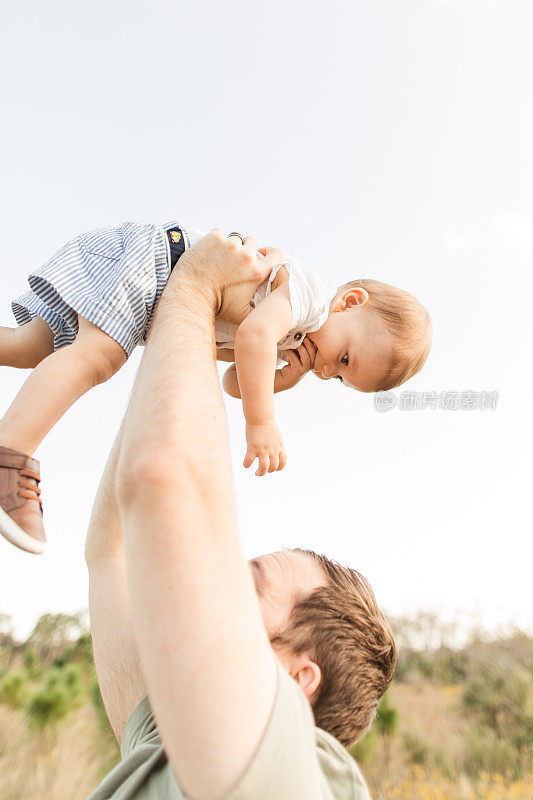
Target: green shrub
32,665
48,706
60,693
450,667
83,650
14,689
98,704
363,749
500,700
486,752
71,677
62,659
387,717
384,724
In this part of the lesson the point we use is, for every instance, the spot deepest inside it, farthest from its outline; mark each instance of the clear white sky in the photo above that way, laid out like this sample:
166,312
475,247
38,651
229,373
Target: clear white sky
384,139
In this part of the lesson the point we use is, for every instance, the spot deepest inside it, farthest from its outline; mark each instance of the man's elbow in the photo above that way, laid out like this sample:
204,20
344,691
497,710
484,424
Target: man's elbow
138,475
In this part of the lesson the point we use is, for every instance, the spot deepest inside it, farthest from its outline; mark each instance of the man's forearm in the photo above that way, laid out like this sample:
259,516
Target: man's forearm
114,648
104,534
161,414
203,647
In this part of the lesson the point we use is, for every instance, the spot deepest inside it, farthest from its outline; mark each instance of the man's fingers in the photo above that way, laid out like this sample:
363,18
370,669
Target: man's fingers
273,257
251,243
274,251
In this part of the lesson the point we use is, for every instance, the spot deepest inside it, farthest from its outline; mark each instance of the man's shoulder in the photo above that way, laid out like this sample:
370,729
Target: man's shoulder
293,759
339,768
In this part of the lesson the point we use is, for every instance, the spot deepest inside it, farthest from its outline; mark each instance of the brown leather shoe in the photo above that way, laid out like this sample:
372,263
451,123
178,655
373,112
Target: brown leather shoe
21,512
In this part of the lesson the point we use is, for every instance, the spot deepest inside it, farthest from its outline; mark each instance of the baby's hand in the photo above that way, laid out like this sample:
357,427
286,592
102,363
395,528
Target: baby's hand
266,444
300,362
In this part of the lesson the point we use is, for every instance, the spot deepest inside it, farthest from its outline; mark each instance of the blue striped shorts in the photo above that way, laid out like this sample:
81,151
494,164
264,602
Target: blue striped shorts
112,277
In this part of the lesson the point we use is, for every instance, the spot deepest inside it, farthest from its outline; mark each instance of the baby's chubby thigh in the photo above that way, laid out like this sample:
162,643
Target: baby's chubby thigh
100,355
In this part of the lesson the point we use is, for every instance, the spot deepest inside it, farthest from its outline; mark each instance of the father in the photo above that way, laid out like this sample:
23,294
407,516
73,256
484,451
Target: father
237,659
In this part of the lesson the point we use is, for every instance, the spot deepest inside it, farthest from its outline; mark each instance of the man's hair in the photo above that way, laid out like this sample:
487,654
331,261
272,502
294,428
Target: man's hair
408,323
342,629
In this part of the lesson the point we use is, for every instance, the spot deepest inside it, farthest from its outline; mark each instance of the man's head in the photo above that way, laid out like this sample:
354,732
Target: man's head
325,626
375,337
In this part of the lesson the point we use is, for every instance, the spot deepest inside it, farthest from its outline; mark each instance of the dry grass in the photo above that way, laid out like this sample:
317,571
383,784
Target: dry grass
68,764
420,784
62,765
432,715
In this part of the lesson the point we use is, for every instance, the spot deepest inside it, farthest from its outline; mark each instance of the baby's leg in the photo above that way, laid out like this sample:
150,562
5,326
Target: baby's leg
56,383
26,346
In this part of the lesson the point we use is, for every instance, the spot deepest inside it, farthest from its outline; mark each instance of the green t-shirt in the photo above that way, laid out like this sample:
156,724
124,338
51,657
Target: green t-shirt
294,761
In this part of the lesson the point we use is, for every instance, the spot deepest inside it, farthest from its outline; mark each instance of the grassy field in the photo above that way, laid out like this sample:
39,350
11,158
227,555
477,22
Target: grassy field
421,760
67,763
470,738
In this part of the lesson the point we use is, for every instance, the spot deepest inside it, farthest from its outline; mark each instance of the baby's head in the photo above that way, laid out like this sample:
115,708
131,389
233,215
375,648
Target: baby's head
375,337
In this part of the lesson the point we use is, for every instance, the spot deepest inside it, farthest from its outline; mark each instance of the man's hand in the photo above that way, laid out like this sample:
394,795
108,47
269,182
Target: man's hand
266,444
225,272
301,361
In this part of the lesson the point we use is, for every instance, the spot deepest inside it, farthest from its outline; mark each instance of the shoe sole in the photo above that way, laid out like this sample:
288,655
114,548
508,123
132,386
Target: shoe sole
14,534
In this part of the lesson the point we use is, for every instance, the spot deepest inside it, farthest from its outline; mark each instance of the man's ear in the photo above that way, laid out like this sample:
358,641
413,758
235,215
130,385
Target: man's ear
308,676
356,296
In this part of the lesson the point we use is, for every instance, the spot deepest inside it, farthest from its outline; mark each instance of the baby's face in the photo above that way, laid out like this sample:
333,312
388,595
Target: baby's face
353,344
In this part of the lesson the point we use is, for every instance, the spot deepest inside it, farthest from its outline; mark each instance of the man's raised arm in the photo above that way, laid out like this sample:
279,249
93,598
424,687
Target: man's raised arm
115,652
205,654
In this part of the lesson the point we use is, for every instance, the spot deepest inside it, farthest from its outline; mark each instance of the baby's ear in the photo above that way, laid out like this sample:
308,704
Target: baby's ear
356,296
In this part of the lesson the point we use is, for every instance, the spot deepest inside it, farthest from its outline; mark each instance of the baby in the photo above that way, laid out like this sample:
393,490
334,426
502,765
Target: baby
98,295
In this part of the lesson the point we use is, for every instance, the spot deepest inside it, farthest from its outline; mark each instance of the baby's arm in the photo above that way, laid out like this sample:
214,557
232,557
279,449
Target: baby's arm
300,362
255,360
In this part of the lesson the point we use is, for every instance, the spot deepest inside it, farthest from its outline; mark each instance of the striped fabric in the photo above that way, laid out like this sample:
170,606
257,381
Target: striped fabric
112,277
